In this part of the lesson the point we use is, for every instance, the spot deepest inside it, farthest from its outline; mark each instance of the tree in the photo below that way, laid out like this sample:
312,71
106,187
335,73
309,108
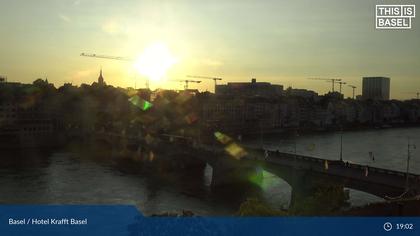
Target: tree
255,207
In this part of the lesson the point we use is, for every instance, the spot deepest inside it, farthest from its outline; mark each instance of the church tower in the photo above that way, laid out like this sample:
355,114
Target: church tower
101,78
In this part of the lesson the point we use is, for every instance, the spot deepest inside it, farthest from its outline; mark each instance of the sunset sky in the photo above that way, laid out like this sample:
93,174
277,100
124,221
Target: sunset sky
282,42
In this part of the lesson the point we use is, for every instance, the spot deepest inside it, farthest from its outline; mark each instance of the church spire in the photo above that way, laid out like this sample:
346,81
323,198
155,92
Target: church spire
101,78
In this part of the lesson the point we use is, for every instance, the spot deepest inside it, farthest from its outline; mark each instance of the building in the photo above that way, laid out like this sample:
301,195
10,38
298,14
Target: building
376,88
26,127
252,89
8,113
301,93
242,116
101,80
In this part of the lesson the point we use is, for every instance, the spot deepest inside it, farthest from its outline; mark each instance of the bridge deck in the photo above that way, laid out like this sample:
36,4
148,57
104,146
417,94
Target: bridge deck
356,172
338,168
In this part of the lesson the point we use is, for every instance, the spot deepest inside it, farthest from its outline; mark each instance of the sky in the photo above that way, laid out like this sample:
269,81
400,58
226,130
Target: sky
282,42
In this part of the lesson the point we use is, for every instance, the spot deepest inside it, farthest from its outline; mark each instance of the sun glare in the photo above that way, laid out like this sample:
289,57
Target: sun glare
155,61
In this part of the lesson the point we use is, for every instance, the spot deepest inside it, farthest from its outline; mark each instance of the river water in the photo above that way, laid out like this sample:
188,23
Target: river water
389,148
73,177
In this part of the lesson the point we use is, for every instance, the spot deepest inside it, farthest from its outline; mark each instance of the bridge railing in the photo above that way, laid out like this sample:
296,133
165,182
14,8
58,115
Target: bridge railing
371,169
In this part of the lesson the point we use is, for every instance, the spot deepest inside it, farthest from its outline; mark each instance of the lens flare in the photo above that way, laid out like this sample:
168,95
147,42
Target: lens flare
222,138
235,151
140,103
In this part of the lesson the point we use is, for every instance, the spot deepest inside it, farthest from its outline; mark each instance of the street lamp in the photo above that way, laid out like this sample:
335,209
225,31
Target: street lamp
341,144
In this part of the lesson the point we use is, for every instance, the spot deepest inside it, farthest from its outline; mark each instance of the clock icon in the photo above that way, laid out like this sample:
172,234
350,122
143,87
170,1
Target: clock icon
387,226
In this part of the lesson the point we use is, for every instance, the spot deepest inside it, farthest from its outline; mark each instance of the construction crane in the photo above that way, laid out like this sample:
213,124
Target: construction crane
112,58
106,57
187,81
341,83
353,88
215,79
333,81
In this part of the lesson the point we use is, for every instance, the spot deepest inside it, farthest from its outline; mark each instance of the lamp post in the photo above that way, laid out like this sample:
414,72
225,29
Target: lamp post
261,134
341,144
408,163
295,148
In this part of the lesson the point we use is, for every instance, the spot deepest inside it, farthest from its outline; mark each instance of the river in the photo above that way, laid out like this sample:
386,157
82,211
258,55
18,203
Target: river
73,177
389,149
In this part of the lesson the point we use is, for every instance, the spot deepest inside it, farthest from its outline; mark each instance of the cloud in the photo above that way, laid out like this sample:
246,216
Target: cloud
64,18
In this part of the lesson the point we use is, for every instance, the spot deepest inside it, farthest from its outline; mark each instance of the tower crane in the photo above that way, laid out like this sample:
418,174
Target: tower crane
112,58
333,81
215,79
341,83
106,57
353,88
187,81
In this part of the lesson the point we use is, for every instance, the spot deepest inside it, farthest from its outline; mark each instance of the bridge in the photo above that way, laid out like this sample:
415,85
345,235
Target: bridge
302,173
305,173
381,182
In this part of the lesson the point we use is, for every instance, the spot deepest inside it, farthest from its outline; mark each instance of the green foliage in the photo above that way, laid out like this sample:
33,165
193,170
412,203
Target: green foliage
326,201
254,207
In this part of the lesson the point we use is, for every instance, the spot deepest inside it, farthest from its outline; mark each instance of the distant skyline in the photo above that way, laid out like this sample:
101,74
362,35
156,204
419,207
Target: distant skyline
282,42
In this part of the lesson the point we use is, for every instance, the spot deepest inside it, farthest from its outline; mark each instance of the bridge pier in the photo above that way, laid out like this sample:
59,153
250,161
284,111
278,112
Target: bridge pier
301,184
310,192
231,173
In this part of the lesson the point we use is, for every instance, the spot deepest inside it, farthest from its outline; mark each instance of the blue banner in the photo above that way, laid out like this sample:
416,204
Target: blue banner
126,220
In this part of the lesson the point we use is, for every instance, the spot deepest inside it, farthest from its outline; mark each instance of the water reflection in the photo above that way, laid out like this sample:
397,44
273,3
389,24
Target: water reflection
276,192
95,177
22,177
389,147
81,178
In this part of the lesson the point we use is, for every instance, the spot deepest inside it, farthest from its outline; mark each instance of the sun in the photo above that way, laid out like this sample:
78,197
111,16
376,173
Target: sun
155,61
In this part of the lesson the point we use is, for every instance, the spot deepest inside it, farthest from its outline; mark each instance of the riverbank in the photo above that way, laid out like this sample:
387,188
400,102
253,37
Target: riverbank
254,208
302,131
395,208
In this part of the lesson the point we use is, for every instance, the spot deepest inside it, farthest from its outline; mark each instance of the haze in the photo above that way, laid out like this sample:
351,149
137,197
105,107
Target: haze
282,42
